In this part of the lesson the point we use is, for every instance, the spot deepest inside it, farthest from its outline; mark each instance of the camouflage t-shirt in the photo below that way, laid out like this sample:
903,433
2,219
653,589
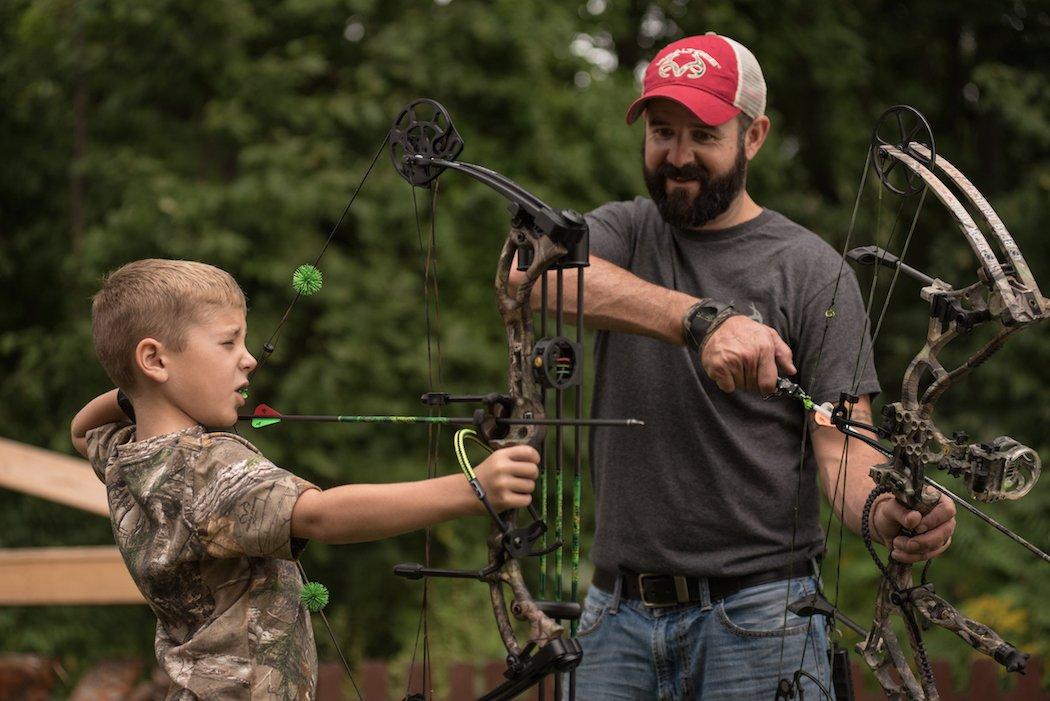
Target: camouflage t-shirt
203,521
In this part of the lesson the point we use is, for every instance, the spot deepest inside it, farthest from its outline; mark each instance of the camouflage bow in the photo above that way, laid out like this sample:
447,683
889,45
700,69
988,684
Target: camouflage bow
1005,297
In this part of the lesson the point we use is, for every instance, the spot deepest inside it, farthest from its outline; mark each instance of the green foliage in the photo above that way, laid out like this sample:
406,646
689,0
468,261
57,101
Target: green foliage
235,132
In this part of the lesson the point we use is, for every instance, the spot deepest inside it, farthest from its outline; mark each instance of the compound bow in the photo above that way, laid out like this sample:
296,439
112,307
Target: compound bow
1006,297
423,143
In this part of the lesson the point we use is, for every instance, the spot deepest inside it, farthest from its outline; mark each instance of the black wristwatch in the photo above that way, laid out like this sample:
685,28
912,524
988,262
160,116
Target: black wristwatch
700,319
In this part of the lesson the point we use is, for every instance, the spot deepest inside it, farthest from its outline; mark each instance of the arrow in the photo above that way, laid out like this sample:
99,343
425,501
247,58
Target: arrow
265,415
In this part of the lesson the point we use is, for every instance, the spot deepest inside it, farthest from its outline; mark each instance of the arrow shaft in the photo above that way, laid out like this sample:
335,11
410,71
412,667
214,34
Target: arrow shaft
452,420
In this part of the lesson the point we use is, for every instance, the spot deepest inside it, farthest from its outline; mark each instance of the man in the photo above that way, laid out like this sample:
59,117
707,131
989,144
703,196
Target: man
707,520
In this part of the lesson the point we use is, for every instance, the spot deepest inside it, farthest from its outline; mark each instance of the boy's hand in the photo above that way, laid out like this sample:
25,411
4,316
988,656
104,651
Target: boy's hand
508,477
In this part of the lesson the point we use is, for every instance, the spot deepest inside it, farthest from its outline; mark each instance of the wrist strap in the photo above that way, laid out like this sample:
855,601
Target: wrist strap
687,324
124,402
723,317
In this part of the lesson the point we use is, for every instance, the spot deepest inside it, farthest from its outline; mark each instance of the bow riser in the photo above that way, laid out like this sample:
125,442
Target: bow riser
516,311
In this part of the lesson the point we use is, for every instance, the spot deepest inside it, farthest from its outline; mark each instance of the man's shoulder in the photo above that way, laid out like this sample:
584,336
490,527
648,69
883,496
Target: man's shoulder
804,242
637,207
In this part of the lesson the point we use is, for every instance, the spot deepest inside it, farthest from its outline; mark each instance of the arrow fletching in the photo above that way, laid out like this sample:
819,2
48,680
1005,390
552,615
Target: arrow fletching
265,415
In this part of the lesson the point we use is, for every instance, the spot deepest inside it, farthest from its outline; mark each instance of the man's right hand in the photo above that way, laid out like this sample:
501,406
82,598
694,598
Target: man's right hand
744,354
508,477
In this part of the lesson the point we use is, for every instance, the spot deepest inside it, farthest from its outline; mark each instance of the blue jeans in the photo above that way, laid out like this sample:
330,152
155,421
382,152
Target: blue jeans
731,650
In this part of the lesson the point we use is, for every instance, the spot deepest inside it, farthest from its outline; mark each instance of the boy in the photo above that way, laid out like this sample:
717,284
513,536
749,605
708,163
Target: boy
208,527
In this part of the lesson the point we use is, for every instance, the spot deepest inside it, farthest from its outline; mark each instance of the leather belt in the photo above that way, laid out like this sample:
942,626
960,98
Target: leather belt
662,590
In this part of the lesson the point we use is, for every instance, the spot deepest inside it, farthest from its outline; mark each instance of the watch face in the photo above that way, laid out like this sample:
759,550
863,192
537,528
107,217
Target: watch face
707,313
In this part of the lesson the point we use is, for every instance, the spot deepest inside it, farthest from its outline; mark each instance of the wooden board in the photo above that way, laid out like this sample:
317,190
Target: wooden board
52,476
65,576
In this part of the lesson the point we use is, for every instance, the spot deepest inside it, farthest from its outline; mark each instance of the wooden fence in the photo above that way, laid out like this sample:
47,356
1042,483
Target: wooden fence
36,678
466,682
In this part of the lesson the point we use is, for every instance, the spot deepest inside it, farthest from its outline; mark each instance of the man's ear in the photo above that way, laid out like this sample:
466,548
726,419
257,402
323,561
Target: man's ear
756,136
151,360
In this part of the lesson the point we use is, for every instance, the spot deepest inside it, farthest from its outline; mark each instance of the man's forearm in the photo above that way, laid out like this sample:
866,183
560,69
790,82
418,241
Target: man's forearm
618,300
844,473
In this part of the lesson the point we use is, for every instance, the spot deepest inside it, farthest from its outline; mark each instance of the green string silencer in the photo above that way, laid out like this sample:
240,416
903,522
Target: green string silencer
314,596
307,280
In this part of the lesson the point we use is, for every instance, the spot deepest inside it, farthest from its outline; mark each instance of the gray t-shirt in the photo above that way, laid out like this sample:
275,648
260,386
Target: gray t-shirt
707,488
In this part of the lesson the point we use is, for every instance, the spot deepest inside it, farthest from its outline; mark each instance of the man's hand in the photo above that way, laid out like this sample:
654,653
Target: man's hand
744,354
508,477
933,532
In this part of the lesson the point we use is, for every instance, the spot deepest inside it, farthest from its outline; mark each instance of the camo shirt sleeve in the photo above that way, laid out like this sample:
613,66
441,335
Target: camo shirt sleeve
102,444
242,503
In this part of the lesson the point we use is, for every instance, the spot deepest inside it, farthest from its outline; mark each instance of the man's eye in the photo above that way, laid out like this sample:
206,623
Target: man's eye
227,343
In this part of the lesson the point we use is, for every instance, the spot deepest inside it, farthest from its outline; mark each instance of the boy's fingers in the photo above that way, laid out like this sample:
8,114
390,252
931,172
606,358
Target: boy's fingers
520,486
528,470
520,453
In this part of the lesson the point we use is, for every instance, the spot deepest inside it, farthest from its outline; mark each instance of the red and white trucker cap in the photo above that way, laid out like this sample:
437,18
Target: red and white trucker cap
712,76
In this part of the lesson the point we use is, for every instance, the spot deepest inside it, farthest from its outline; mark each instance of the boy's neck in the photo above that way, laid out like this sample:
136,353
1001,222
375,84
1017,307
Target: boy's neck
155,416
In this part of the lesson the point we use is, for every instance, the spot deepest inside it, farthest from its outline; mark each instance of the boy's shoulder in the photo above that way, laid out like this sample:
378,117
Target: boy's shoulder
195,447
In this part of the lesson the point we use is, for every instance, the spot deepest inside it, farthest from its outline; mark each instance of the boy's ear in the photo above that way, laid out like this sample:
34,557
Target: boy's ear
150,360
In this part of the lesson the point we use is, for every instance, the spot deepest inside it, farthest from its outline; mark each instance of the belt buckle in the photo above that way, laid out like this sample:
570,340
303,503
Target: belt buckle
681,590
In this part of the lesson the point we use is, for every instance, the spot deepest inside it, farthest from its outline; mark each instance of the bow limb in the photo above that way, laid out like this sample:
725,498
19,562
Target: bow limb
882,652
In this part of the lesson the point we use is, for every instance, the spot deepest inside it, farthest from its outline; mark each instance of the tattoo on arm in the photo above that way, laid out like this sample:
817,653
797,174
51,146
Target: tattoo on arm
862,415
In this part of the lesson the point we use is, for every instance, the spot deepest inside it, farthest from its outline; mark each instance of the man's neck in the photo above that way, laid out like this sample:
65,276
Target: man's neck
742,209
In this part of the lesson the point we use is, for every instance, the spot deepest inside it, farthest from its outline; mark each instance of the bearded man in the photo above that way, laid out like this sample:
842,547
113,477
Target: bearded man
702,297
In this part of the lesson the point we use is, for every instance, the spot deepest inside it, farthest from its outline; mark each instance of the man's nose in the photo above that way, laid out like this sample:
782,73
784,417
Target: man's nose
249,361
679,154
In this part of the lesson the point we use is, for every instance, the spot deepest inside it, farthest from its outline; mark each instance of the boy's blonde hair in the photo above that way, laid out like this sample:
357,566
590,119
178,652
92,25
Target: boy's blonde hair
154,298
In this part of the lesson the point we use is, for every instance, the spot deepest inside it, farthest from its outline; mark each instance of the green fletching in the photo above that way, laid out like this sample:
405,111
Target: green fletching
263,423
306,280
314,596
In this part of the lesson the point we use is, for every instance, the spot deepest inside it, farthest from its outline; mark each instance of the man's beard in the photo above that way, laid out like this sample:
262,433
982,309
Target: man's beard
716,194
